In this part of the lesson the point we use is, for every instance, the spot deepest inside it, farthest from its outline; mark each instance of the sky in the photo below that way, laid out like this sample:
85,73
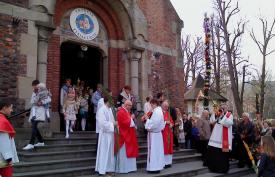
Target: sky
192,14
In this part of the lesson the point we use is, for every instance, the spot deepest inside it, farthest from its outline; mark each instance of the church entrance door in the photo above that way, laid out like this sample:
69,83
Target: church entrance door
81,63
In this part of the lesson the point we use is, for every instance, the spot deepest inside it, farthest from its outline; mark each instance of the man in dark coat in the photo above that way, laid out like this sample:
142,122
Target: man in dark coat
245,132
187,128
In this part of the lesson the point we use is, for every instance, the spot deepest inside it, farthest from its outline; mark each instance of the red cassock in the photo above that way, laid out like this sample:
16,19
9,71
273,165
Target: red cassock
127,134
167,135
5,126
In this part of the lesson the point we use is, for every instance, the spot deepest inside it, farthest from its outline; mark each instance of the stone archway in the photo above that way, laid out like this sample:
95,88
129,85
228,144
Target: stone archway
124,23
111,32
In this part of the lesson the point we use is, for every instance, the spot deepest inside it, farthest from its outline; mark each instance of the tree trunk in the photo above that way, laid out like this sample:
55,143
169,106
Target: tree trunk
243,84
234,88
262,90
186,74
229,52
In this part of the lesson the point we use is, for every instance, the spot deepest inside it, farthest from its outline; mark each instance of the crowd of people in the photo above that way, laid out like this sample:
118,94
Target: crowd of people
218,135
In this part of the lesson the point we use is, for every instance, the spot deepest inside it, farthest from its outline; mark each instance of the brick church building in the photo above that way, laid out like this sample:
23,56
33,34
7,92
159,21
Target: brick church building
113,42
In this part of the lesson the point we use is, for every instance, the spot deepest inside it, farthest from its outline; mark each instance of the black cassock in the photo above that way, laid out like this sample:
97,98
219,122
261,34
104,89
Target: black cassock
217,161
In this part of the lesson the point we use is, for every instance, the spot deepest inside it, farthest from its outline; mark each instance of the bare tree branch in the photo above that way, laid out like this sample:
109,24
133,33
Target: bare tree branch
263,47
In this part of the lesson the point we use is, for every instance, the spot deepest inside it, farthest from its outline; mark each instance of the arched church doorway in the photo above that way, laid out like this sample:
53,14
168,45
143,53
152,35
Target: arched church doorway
81,63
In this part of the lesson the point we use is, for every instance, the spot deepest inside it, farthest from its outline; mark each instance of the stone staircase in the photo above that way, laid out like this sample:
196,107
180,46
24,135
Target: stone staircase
76,156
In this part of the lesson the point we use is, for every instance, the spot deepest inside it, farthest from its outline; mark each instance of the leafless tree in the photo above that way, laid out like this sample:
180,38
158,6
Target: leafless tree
192,58
268,34
246,77
225,12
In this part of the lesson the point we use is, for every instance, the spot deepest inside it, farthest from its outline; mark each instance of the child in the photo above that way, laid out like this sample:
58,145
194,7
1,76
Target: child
84,107
8,154
179,128
70,110
181,133
266,166
42,96
195,133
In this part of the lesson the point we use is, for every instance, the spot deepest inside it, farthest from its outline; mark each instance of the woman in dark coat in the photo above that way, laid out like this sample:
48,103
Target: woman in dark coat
267,161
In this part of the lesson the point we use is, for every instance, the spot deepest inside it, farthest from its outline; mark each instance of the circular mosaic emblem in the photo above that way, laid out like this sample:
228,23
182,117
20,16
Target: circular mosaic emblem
84,24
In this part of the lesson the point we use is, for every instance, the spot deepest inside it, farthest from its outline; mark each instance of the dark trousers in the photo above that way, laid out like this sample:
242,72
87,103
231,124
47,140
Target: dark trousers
94,121
35,133
187,143
203,149
62,122
175,139
242,153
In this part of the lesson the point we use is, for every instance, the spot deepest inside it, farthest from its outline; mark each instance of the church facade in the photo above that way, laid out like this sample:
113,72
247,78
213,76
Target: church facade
113,42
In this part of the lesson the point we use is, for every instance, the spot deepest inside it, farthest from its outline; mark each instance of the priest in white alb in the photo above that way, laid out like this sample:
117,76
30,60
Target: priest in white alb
127,145
105,160
154,125
220,142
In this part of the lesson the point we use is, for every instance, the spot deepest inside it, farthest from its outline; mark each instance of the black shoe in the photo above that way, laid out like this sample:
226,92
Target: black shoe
167,166
154,172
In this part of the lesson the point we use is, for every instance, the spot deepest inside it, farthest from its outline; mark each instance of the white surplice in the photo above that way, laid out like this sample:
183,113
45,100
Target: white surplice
100,103
7,149
125,164
105,160
154,126
216,136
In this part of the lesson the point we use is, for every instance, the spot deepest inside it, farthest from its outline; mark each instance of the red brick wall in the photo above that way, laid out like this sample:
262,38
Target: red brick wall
12,63
114,30
160,16
53,67
167,78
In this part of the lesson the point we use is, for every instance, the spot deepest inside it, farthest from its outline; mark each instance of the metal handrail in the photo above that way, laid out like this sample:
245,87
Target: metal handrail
20,113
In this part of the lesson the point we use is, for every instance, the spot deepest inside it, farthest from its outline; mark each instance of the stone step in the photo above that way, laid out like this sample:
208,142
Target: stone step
90,134
77,146
186,169
233,172
64,172
45,169
63,147
72,140
32,156
80,134
44,156
22,167
250,175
